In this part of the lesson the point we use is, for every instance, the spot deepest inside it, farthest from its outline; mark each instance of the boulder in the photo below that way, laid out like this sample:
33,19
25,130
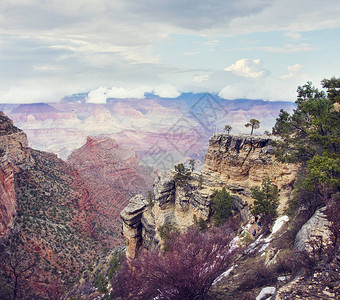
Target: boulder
315,227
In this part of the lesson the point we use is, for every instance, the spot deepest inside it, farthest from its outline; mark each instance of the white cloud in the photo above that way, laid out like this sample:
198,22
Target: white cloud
166,91
101,94
246,68
293,35
200,78
47,68
32,91
287,76
293,70
270,89
97,96
289,48
191,53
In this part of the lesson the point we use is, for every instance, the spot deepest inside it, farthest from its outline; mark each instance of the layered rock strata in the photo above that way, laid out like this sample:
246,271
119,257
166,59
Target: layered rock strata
113,174
14,152
236,162
169,207
243,161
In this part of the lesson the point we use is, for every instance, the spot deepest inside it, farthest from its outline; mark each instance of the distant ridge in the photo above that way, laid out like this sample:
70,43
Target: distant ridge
34,108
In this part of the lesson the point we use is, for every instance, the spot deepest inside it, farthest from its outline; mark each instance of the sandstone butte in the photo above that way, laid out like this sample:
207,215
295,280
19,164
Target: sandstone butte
238,162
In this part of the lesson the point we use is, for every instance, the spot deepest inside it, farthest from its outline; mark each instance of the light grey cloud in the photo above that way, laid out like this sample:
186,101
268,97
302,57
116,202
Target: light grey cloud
51,48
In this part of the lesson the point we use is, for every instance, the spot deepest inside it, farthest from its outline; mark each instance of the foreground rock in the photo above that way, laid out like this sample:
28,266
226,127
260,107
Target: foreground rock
315,229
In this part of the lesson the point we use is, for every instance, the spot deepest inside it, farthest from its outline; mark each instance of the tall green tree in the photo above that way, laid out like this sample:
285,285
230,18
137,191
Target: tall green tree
221,205
311,134
254,124
266,199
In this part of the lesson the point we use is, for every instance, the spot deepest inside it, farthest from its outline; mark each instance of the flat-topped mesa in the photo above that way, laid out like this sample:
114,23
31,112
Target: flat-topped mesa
243,161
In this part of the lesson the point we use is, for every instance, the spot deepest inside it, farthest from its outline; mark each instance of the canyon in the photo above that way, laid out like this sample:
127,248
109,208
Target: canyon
163,131
67,213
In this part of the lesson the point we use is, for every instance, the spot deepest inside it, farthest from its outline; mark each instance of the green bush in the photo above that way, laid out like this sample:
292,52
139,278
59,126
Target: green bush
182,175
266,199
221,206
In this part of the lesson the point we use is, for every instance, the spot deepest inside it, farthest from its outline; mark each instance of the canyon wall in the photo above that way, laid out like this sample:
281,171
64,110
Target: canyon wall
14,152
113,174
236,162
243,161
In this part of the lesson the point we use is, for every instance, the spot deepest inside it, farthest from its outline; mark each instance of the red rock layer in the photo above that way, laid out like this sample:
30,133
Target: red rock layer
112,174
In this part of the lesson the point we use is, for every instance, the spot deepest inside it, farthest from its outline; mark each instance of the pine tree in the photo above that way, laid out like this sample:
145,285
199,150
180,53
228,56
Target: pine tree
266,199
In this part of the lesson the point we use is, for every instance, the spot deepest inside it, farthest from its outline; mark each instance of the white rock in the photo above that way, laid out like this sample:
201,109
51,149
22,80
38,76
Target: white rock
266,293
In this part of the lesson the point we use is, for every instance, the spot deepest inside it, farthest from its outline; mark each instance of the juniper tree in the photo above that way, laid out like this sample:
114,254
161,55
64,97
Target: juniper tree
254,124
182,174
221,206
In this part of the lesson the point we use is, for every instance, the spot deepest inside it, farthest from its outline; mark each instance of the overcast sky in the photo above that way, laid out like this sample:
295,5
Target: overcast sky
124,48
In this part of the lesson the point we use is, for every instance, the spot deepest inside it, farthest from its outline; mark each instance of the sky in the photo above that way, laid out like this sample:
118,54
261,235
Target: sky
255,49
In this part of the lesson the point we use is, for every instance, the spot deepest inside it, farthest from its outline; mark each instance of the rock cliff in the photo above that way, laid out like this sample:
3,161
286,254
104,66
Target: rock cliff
243,161
317,227
170,206
112,174
14,152
236,162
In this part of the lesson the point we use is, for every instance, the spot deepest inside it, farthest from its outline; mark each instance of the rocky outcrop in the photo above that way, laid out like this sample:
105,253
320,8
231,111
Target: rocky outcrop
14,152
132,226
13,142
236,162
170,206
243,161
113,174
315,229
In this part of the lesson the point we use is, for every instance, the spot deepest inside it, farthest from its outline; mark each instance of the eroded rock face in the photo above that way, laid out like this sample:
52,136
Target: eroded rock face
236,162
172,206
243,161
113,174
7,197
14,152
315,228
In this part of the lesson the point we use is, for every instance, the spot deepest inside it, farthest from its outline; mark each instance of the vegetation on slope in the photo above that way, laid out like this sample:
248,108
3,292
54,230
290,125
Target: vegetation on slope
51,223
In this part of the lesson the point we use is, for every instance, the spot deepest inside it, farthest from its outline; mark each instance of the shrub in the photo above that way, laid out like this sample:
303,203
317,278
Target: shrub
182,174
186,271
266,199
221,205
